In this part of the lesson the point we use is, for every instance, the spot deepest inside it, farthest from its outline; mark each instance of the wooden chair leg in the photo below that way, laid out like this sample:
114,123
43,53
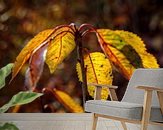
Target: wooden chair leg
113,95
124,125
146,110
160,98
94,123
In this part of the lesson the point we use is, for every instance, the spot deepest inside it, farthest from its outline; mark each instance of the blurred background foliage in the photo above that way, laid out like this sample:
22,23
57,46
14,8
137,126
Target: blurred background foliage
20,20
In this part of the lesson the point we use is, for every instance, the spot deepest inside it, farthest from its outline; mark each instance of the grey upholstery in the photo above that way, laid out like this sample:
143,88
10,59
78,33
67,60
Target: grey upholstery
131,105
125,110
143,77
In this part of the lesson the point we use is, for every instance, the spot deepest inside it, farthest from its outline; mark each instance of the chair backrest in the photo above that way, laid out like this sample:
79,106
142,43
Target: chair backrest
146,77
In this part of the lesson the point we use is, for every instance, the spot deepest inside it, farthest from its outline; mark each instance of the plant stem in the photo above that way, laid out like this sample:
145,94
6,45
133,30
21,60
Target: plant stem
40,100
83,69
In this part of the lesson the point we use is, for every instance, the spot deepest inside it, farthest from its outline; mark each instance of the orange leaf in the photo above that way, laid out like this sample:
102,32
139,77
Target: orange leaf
125,50
28,49
67,101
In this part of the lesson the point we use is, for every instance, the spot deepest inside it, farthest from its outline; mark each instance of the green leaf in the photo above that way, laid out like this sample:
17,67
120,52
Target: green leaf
20,99
4,72
8,126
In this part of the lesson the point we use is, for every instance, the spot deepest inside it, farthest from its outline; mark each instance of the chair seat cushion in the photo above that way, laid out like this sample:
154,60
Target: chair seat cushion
125,110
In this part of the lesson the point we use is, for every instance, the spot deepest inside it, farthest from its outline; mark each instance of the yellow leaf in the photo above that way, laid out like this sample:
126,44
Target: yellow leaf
28,49
98,70
68,102
126,51
60,47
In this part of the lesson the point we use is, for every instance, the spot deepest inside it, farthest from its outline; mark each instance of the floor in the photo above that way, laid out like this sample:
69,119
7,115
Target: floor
66,121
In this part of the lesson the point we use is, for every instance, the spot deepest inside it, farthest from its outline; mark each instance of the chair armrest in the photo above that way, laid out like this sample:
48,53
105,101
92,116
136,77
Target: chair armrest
148,101
111,88
148,97
149,88
103,85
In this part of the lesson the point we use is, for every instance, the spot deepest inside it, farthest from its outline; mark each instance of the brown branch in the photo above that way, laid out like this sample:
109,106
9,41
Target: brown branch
78,40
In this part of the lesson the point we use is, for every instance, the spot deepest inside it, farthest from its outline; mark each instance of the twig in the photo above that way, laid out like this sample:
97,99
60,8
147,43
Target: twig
83,69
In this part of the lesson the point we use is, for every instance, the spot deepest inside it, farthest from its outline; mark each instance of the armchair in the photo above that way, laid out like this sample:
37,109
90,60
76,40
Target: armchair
137,106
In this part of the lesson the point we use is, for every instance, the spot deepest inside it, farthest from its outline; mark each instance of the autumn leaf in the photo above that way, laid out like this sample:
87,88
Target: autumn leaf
67,102
60,47
98,70
28,49
35,69
125,50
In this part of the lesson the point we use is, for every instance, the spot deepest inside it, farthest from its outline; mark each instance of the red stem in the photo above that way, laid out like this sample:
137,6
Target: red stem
61,26
93,67
84,26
